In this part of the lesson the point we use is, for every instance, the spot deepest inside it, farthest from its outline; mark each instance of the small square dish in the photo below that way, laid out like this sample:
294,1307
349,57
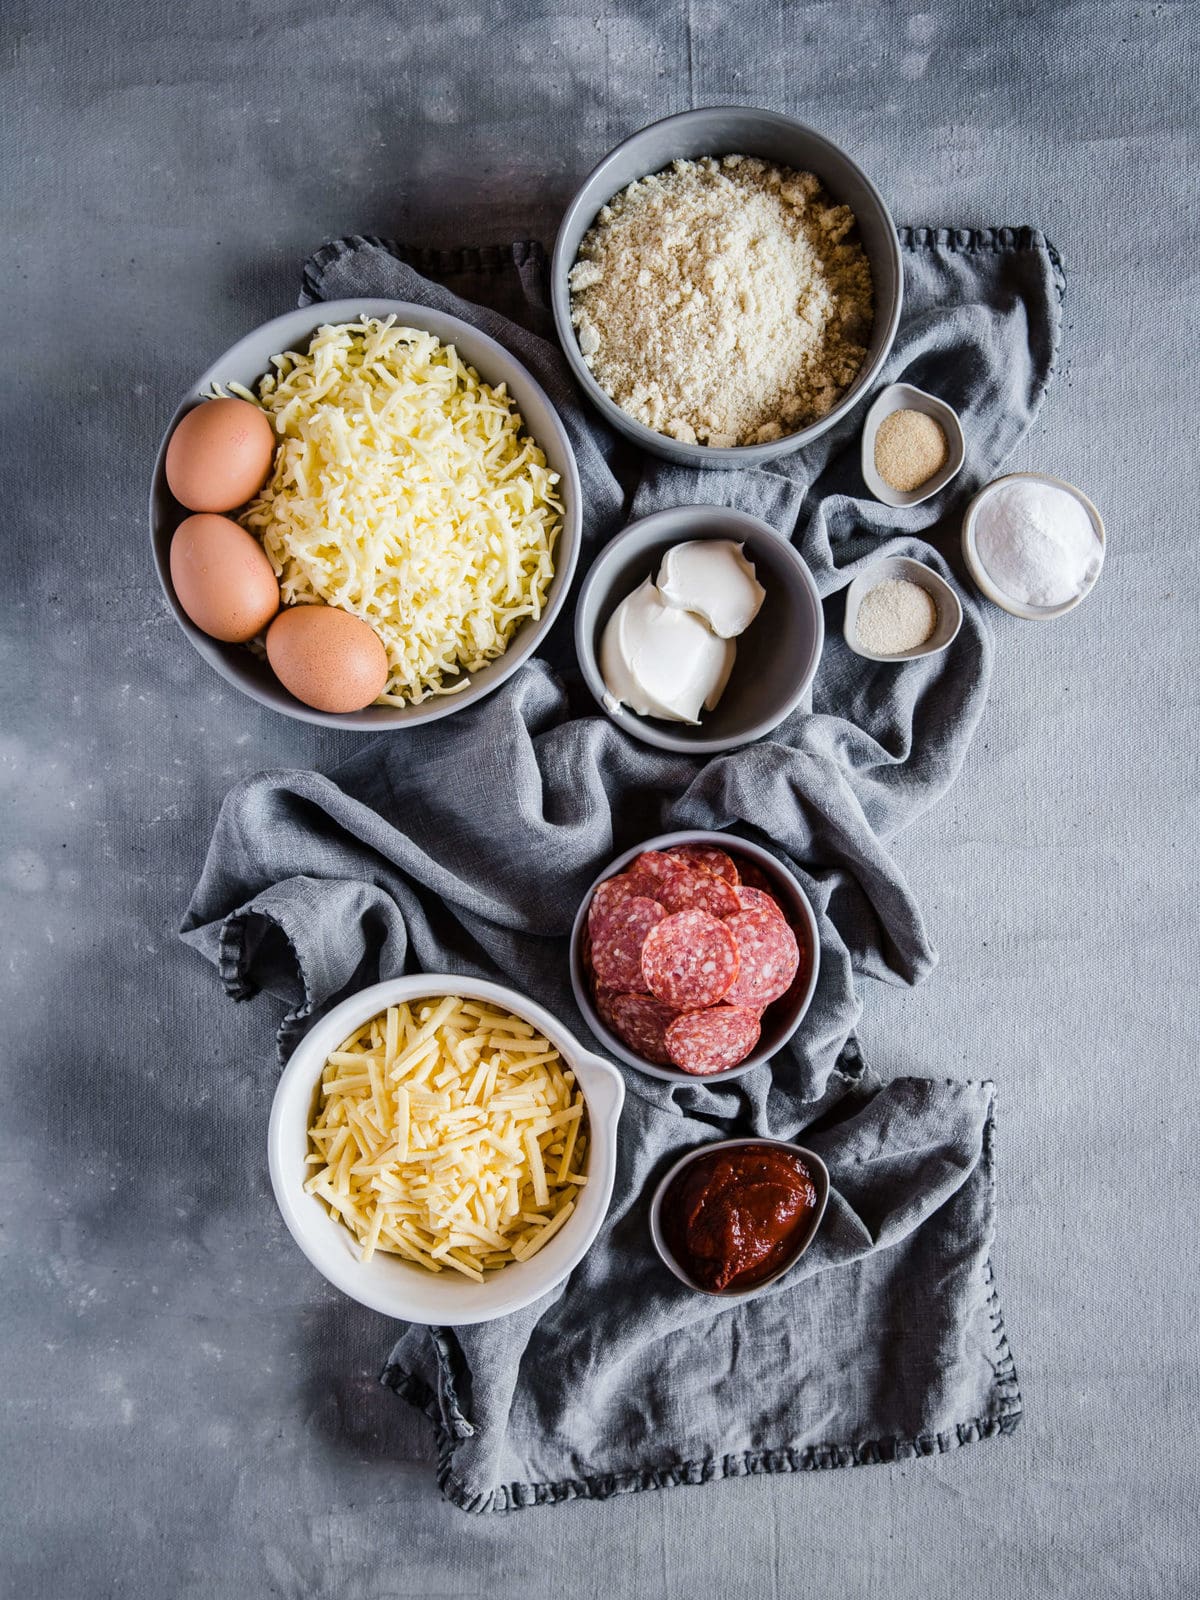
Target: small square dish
904,568
906,397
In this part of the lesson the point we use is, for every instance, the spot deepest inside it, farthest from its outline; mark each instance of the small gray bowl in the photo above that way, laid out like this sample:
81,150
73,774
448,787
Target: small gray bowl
718,131
245,363
777,656
949,606
780,1020
907,397
820,1177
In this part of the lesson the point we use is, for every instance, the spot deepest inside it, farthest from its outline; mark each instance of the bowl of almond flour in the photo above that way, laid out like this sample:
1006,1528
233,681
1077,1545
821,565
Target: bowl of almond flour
726,286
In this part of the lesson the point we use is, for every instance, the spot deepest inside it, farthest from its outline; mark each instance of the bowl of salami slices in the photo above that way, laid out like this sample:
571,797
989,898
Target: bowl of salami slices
694,955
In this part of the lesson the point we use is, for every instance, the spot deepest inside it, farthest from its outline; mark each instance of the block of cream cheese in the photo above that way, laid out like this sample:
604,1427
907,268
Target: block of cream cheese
713,578
662,661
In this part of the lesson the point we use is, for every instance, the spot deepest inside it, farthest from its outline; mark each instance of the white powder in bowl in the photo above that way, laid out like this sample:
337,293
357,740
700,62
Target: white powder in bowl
895,616
1036,542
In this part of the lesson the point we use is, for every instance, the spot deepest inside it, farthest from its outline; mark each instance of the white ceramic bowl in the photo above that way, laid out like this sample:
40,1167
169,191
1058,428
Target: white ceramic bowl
245,363
780,1020
906,397
979,572
386,1283
949,606
819,1173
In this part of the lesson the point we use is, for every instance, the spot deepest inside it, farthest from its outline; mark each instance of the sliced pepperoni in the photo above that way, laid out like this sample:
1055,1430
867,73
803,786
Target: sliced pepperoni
712,1040
648,884
758,900
656,864
695,889
689,960
641,1022
708,857
605,898
617,954
769,956
754,877
603,999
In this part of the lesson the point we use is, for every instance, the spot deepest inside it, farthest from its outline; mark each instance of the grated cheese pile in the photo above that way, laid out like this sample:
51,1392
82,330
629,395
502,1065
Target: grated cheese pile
406,492
450,1133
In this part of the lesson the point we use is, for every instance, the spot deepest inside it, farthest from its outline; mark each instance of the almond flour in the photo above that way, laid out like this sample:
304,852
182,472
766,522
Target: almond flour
723,301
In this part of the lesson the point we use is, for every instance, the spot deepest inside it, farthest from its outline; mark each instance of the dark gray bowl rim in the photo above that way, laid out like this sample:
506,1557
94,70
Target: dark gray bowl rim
819,1172
717,456
648,729
391,719
731,843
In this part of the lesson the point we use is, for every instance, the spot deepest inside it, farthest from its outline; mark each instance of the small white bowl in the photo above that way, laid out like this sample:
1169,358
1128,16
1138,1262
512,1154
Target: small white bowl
979,572
905,397
949,606
819,1173
387,1283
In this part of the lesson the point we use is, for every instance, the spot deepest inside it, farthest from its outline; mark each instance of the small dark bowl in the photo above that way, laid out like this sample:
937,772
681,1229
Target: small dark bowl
820,1177
780,1020
777,656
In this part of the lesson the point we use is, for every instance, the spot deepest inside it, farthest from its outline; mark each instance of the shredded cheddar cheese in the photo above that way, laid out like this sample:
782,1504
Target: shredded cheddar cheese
406,492
450,1133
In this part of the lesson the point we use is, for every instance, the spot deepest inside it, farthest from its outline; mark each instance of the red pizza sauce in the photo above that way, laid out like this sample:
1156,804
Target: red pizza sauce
736,1216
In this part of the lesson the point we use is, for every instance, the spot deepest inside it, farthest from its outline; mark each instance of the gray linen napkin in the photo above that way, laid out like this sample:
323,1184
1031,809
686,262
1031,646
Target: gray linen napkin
466,847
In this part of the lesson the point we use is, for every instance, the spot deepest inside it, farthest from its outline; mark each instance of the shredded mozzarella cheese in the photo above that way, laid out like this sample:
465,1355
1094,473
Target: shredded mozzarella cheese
406,492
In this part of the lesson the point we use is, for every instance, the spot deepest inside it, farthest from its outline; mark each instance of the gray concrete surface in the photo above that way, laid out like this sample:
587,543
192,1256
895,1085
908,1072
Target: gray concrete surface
187,1410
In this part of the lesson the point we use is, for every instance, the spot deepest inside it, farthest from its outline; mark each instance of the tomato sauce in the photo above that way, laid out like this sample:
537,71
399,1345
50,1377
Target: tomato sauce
736,1216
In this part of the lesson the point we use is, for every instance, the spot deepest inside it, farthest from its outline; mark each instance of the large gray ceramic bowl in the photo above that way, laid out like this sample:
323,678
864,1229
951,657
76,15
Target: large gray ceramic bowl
734,130
245,363
777,656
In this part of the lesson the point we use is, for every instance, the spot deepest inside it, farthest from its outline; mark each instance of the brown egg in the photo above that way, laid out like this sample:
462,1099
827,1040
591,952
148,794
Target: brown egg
327,658
220,455
222,578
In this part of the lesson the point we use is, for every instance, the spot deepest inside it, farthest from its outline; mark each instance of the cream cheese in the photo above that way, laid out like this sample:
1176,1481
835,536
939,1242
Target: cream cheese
713,578
663,661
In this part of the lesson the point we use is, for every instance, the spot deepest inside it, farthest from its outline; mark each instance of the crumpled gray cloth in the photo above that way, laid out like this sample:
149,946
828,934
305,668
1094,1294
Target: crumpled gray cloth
466,847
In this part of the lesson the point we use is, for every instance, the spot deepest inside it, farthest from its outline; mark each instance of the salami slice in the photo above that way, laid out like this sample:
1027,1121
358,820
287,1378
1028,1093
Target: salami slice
604,1004
713,1040
754,877
645,883
769,958
695,889
642,1022
617,954
656,863
758,900
689,960
606,897
708,857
